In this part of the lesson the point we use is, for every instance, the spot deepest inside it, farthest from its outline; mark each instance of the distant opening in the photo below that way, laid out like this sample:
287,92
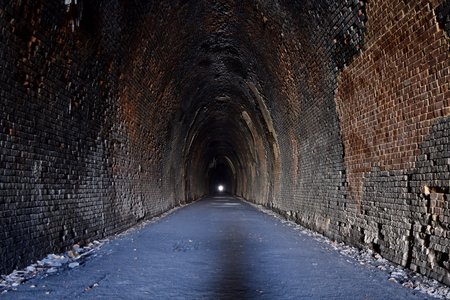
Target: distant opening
221,179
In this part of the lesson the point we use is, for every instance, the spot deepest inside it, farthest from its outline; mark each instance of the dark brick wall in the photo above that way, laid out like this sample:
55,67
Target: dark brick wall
356,92
443,16
303,47
79,159
393,104
334,113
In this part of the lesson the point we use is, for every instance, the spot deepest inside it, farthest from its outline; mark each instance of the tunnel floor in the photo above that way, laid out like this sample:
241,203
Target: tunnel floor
216,248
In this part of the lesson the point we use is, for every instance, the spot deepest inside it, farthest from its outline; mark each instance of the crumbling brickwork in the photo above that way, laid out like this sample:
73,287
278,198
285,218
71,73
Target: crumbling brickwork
393,104
333,113
78,158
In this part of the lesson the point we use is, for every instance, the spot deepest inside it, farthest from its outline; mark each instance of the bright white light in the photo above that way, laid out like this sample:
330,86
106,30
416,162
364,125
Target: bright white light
220,188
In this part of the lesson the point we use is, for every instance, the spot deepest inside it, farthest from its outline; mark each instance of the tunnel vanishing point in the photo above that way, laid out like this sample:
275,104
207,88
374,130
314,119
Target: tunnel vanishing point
335,114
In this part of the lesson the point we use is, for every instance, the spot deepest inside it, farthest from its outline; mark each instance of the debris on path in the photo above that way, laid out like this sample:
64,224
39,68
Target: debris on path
52,263
71,259
395,273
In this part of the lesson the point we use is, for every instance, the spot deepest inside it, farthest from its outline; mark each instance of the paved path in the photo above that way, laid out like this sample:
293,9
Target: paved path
217,248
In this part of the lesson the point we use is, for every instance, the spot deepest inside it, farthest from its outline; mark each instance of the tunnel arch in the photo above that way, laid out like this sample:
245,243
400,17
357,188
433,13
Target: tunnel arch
221,176
215,136
305,106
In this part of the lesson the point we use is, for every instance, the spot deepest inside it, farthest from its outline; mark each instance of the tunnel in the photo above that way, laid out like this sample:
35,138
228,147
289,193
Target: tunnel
333,114
221,178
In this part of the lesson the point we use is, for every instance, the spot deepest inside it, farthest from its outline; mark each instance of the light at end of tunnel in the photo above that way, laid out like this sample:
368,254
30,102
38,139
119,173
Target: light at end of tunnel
220,188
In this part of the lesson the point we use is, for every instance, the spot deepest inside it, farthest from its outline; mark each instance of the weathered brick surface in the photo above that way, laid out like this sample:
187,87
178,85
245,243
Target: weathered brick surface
79,159
443,16
389,96
393,104
306,52
334,113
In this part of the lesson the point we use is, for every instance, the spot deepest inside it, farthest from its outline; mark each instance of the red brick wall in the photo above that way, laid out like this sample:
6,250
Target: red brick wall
334,113
393,102
391,94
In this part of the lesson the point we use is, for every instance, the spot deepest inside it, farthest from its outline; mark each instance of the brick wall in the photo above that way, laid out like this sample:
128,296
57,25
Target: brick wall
358,97
79,159
334,114
361,108
393,104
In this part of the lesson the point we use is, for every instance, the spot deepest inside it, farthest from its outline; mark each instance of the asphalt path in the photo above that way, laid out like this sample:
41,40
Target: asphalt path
215,248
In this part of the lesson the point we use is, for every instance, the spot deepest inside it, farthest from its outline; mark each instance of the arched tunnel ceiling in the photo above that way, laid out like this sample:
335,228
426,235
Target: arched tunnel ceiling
226,70
218,80
334,113
224,59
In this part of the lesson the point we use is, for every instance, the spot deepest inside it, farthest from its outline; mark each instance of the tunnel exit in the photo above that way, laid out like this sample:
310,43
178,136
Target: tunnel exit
221,178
